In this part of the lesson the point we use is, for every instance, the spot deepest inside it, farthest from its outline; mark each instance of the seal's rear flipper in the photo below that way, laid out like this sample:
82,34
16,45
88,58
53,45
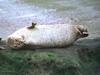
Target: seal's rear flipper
3,45
33,26
0,39
2,48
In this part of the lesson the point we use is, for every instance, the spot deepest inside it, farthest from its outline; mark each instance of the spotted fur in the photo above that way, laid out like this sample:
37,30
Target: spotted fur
59,35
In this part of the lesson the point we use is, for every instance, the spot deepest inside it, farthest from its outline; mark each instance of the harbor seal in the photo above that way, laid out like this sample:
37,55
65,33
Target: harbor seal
46,36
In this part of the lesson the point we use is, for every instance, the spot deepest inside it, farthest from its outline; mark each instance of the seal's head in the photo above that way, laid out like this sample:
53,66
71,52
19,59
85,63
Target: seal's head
81,31
15,42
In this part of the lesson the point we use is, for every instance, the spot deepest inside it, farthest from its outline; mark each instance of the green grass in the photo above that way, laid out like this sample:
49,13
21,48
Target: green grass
42,62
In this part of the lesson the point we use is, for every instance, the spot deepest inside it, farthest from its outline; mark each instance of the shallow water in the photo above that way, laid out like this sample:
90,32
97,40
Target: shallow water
15,14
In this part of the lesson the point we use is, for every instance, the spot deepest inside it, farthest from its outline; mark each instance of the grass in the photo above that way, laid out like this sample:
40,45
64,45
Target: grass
48,62
80,60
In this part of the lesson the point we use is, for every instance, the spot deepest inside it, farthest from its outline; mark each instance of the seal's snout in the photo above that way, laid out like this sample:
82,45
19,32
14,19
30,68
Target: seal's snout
83,32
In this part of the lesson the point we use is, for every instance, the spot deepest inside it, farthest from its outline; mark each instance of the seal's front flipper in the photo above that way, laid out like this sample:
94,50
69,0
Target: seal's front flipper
33,26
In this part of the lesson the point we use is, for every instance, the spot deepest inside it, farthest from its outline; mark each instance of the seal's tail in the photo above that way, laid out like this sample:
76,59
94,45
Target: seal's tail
3,45
0,39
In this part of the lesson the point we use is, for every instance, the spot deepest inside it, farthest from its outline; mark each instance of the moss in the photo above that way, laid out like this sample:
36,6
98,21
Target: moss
31,62
48,62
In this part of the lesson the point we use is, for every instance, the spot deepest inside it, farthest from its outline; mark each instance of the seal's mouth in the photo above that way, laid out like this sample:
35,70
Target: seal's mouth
82,31
85,34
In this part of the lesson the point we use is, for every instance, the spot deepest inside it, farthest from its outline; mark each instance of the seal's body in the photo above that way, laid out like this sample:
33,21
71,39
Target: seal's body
46,36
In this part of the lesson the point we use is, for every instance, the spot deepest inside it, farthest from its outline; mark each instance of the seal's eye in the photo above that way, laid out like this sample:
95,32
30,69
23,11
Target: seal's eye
16,40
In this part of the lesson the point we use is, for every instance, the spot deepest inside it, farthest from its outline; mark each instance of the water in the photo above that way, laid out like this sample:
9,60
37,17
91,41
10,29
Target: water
15,14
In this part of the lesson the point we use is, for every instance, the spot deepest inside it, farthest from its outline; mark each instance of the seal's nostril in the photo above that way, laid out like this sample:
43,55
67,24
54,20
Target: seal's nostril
85,34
